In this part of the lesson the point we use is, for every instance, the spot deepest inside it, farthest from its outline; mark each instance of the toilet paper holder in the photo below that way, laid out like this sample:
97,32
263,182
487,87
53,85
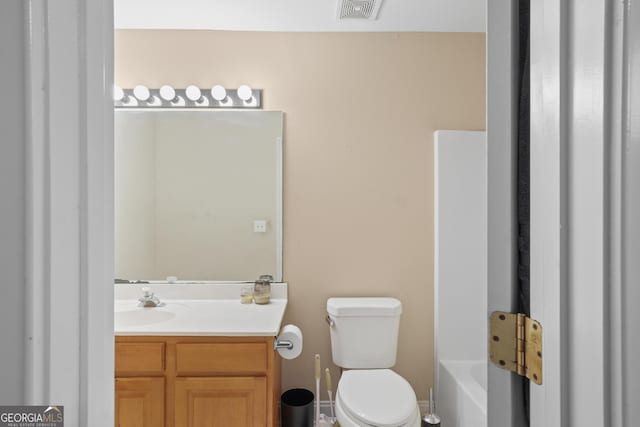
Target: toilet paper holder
282,344
289,343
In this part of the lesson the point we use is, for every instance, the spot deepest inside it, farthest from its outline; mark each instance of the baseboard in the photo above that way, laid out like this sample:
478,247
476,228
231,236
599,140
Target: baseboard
326,409
424,406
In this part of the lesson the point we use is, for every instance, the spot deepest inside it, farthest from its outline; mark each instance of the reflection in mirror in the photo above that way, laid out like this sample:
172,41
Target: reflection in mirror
198,195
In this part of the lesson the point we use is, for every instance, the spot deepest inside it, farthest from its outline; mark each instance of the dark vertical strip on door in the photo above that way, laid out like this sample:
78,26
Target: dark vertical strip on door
523,174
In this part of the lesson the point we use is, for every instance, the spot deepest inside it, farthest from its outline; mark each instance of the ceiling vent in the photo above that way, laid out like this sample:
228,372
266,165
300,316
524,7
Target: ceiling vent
358,9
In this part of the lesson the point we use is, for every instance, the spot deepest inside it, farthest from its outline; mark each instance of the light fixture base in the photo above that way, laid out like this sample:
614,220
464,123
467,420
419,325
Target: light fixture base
232,100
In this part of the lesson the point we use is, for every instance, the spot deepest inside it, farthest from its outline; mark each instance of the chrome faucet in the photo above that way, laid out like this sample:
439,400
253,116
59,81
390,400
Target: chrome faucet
148,299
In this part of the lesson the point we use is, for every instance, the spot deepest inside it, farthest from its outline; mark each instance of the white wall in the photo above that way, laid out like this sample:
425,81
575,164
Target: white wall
461,245
12,205
292,15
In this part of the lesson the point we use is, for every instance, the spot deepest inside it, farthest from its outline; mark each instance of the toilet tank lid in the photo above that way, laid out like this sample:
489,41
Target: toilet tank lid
370,306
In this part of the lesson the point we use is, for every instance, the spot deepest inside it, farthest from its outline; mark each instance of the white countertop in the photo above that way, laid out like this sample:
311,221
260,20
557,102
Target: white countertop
197,310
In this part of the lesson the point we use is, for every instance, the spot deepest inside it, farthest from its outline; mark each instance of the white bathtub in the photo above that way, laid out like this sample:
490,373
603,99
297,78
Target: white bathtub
462,393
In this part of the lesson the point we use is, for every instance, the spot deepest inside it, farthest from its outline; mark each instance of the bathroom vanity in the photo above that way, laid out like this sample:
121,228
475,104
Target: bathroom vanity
196,381
201,359
186,207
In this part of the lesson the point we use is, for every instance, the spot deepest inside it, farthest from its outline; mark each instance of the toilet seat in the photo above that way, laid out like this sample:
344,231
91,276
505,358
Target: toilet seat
377,397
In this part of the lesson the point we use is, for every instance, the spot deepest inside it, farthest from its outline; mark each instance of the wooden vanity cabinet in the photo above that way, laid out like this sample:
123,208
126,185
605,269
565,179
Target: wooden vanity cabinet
197,381
139,402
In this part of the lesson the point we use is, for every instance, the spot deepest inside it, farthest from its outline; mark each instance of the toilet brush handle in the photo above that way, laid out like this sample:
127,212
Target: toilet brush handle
317,375
431,419
327,373
333,413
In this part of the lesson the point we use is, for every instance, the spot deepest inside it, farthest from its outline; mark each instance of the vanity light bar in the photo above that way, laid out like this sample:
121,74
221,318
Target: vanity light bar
190,97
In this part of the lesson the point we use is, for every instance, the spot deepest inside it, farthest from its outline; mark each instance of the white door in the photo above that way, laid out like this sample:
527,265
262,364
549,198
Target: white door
585,202
505,403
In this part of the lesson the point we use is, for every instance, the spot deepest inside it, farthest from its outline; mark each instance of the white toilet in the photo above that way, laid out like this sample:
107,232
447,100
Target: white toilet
364,340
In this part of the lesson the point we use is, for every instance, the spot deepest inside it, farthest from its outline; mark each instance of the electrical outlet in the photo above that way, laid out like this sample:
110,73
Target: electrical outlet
260,226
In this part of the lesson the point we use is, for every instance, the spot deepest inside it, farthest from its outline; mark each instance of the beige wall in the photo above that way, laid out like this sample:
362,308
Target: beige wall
360,112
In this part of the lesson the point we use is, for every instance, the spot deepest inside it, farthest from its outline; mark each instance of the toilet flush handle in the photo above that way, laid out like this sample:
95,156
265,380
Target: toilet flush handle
330,321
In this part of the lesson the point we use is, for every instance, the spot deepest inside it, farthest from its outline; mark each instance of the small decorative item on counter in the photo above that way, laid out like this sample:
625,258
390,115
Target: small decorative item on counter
262,289
246,294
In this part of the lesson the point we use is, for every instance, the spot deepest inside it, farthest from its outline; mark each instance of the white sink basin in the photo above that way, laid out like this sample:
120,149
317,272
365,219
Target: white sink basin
142,316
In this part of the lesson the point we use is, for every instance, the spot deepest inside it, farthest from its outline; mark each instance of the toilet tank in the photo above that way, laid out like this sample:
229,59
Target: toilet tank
364,331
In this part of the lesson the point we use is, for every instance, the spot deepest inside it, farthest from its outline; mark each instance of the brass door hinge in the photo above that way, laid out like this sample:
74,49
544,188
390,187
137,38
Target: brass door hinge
515,344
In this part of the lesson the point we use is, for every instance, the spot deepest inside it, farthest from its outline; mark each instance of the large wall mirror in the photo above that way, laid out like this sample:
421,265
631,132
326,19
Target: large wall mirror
198,195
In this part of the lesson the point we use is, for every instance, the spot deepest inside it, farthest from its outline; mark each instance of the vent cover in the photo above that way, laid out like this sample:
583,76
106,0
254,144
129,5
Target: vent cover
358,9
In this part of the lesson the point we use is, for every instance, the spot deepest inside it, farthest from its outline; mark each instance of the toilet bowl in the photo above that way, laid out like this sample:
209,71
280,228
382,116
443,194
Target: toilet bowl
376,397
364,338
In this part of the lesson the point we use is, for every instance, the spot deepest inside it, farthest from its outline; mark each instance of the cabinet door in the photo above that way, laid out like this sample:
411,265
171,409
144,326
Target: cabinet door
221,402
139,402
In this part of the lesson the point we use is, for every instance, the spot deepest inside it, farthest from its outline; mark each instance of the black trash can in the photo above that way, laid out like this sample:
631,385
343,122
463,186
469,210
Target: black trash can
296,408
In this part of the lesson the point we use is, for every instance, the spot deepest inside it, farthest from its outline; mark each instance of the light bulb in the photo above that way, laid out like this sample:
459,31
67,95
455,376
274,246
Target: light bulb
193,93
219,93
141,92
245,93
167,93
118,93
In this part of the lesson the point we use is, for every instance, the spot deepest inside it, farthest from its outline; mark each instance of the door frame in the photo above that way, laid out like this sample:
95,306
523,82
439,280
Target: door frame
585,173
577,92
625,229
69,203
